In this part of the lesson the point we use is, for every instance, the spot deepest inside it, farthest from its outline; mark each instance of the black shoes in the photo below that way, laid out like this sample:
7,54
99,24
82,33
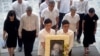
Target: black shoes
19,49
13,54
79,41
4,47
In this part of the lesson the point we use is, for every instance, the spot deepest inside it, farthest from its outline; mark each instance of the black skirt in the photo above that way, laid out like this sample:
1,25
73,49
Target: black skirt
89,38
11,41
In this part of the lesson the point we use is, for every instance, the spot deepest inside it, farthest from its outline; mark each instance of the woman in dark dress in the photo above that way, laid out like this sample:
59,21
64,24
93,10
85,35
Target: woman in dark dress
89,29
11,25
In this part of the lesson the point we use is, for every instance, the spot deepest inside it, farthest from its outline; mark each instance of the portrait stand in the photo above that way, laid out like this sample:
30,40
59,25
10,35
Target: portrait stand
56,45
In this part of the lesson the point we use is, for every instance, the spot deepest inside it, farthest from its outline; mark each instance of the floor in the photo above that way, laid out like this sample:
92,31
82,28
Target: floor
5,6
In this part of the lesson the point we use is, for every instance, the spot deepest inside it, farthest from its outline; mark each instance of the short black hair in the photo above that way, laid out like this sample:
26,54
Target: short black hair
65,22
47,21
91,10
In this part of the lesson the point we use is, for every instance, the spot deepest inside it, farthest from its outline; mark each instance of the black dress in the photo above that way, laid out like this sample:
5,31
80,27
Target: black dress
12,29
89,28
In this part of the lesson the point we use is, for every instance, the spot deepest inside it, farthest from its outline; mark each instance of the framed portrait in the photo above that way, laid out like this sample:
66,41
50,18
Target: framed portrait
56,45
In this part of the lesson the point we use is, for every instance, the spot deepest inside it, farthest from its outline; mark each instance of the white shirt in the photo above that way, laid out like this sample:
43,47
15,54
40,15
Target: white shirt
20,8
43,33
46,13
64,6
29,23
72,20
43,6
42,36
82,6
70,33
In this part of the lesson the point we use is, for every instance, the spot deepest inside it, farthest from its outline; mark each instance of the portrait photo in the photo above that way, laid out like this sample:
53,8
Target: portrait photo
55,45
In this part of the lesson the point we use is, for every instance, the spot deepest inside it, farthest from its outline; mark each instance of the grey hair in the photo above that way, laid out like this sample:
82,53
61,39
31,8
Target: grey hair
73,8
29,8
51,2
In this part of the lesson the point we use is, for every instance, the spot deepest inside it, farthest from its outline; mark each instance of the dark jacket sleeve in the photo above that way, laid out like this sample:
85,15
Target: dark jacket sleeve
96,17
5,26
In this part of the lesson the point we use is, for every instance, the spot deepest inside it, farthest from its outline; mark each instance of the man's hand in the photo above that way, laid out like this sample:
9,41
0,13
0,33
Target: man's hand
43,44
95,32
20,36
36,34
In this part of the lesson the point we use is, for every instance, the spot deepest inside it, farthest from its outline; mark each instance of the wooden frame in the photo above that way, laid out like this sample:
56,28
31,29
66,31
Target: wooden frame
55,42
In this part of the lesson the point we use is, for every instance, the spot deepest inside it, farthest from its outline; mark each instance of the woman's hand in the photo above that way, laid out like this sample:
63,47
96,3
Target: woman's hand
5,35
95,32
20,36
4,38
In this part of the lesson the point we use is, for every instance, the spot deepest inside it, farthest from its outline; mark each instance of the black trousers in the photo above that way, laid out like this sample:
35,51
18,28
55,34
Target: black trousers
61,15
13,0
86,44
42,1
19,42
80,26
54,27
70,53
28,40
